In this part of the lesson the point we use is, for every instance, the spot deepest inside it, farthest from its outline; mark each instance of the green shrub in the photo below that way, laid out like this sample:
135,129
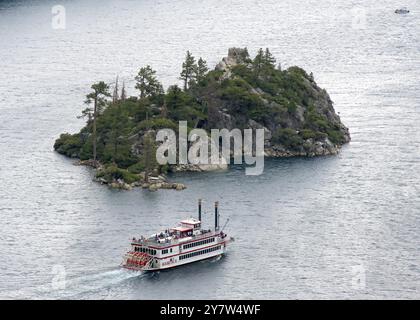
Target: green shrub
86,152
307,134
236,93
112,172
136,168
164,168
287,137
242,71
297,71
68,144
157,123
316,121
311,134
291,107
336,136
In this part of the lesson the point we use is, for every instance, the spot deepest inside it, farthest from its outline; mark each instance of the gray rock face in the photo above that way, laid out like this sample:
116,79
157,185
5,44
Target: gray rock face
312,149
235,56
200,168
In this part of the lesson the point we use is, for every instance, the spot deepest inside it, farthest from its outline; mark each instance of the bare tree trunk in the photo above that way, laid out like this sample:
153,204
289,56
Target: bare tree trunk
115,148
142,93
147,160
94,130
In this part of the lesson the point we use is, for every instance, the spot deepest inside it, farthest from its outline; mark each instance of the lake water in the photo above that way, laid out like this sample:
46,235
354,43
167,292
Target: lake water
334,227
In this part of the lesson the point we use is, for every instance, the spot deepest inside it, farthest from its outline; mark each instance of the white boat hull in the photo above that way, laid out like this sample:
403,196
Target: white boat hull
182,257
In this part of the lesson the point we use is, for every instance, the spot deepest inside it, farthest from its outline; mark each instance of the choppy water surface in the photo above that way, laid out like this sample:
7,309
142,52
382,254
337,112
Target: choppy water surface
306,228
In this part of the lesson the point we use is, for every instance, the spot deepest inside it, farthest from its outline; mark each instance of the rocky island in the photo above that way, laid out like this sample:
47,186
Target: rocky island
297,116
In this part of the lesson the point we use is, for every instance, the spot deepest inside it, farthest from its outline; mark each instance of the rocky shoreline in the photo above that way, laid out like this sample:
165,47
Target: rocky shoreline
154,183
314,149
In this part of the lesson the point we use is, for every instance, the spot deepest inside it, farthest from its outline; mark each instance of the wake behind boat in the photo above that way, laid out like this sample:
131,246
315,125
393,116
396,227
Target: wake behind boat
186,243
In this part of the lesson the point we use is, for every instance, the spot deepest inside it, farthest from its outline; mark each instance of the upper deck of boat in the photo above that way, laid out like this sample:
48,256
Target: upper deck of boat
188,230
170,241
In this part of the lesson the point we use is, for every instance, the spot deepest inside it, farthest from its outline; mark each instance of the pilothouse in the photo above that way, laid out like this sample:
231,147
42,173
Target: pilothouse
186,243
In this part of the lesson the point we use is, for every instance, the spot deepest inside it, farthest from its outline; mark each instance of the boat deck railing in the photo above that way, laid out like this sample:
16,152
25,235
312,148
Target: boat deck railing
154,240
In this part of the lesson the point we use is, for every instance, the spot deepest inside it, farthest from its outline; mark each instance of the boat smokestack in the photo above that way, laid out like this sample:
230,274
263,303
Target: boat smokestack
216,216
199,209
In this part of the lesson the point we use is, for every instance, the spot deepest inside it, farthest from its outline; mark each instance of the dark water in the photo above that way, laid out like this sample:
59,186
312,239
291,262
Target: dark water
306,228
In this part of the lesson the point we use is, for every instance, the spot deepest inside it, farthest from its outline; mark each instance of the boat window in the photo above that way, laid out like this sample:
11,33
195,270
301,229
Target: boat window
198,243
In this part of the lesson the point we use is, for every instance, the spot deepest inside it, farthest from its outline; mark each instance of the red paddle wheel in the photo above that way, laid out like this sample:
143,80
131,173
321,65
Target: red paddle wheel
137,260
